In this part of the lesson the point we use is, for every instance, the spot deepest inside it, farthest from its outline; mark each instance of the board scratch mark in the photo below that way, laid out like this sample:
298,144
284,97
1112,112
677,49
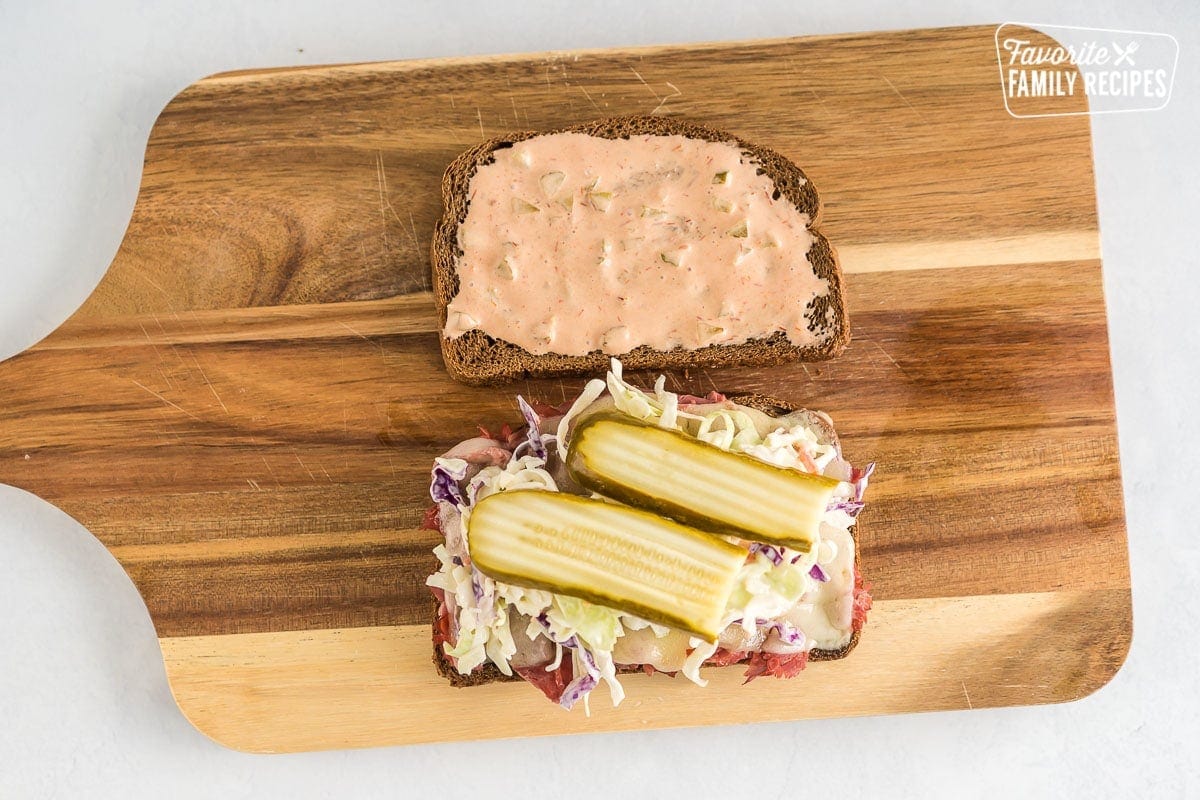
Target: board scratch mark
583,89
211,388
385,195
479,116
668,98
821,101
362,336
142,274
296,453
512,99
384,186
173,346
380,179
967,695
157,355
267,464
413,225
904,99
895,363
254,485
175,406
649,88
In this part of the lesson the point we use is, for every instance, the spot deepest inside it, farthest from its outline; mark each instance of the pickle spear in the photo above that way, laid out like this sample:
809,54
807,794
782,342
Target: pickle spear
609,554
678,476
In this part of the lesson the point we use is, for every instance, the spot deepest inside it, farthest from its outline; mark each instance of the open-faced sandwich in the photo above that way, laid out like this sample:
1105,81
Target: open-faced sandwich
645,531
669,244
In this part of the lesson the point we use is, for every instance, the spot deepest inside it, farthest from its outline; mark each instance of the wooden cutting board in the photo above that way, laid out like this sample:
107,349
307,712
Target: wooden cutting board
245,410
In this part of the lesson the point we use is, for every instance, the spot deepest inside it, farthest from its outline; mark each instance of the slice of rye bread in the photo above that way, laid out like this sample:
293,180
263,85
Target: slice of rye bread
478,359
489,672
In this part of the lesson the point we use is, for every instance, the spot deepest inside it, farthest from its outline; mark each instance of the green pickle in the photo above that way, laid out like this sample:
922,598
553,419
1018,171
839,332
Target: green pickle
606,553
698,484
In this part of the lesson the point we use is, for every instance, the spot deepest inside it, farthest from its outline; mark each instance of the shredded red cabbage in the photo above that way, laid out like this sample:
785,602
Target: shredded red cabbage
534,434
584,683
851,507
770,551
576,689
445,485
485,600
788,633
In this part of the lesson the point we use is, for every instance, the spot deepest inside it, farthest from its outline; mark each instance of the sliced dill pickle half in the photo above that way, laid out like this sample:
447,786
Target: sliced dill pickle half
610,554
678,476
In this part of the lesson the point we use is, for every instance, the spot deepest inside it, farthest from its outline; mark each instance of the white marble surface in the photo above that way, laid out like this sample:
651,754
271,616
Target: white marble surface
84,706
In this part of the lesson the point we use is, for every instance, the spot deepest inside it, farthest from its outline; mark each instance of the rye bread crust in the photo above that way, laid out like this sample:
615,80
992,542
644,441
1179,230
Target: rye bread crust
481,360
489,673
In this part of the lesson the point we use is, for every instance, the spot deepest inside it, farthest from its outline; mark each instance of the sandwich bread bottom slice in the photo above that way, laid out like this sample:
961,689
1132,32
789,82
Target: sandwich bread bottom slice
525,640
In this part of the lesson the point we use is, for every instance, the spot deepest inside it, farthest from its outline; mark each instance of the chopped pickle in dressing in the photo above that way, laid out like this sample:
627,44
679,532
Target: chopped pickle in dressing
677,211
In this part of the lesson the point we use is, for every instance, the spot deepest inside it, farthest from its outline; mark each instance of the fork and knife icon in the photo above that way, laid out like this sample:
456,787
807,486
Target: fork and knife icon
1124,54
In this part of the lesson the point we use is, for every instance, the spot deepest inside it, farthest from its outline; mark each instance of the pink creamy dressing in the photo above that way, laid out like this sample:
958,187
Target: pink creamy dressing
574,243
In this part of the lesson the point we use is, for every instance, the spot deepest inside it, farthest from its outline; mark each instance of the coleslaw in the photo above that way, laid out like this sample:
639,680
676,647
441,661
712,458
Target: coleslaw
491,621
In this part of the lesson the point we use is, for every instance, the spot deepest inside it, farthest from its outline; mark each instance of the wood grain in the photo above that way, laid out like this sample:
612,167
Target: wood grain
245,410
356,687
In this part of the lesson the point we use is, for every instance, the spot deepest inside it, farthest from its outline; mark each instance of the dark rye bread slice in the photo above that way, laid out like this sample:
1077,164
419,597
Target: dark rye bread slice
488,672
481,360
